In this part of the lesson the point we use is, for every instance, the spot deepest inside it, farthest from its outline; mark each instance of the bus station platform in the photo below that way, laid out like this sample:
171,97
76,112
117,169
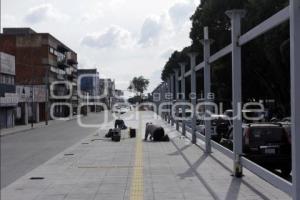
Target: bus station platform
100,169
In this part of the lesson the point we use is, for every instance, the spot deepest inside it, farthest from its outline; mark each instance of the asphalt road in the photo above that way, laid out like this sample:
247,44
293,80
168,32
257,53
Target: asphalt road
22,152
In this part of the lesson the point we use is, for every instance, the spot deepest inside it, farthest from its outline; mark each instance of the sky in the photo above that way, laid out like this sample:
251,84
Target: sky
121,38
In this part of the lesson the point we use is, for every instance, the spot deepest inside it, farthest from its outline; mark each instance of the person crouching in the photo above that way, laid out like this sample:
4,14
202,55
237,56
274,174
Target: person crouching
156,133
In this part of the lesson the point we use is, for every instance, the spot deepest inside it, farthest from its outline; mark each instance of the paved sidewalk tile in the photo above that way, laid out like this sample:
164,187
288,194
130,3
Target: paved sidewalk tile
99,169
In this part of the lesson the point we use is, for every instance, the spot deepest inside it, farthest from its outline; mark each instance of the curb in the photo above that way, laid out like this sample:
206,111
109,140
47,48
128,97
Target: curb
36,127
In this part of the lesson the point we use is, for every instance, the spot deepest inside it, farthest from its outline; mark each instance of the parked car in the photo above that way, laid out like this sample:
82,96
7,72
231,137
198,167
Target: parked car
267,144
286,123
116,109
120,109
219,126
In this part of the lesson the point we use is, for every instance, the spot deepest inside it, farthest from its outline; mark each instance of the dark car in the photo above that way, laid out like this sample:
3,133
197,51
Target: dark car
267,145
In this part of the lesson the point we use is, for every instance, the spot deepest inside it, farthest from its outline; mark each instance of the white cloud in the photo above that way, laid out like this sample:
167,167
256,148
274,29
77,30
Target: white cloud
9,20
170,23
180,12
167,54
43,12
93,13
112,37
138,45
151,30
90,17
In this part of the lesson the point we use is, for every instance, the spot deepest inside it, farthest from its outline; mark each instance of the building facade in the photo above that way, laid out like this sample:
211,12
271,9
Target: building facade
42,60
107,90
89,86
8,97
32,100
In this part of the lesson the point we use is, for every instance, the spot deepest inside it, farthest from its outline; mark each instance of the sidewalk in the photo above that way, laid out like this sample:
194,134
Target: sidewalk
22,128
99,169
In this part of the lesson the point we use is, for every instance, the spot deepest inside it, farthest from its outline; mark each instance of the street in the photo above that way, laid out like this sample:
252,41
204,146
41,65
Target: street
22,152
133,100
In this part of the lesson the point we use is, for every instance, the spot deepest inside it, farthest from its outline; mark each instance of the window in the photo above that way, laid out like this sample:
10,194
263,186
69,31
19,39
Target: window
51,50
2,79
8,80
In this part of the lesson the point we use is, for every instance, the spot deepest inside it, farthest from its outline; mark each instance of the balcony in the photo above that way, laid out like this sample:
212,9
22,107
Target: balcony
62,60
71,58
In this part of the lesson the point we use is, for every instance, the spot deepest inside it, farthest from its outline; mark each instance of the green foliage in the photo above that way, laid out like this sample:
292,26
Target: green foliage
265,60
135,99
138,85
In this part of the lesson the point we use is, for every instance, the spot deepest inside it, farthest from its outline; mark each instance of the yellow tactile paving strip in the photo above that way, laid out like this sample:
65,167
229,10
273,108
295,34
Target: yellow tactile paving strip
137,185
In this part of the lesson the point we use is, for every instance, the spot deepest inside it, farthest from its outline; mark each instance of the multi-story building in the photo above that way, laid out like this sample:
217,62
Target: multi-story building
89,85
107,90
8,97
119,93
32,98
43,60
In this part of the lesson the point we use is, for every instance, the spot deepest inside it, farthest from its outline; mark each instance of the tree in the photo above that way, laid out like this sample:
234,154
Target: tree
138,85
265,60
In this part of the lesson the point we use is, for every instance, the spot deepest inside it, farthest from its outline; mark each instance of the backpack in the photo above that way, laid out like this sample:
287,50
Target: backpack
109,134
116,135
132,133
166,138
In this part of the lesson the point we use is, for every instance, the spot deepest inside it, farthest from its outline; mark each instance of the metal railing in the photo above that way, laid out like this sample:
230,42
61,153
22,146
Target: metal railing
292,13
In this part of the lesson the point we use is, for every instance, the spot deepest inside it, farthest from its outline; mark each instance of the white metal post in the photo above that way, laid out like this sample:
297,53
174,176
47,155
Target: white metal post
176,94
182,68
172,100
165,90
193,95
235,16
295,93
207,88
162,98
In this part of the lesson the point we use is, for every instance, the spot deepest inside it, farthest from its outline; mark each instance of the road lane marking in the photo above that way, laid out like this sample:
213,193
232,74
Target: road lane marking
137,184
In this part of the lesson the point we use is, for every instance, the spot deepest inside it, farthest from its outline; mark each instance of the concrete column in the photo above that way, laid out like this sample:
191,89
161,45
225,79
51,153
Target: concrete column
193,96
235,16
295,93
207,88
182,68
176,71
25,113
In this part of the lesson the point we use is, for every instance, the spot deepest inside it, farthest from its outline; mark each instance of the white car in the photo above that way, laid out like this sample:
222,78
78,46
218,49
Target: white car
120,109
124,109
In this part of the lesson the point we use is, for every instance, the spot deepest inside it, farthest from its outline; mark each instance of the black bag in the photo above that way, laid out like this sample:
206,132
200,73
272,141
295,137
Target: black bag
166,138
109,134
116,135
132,133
